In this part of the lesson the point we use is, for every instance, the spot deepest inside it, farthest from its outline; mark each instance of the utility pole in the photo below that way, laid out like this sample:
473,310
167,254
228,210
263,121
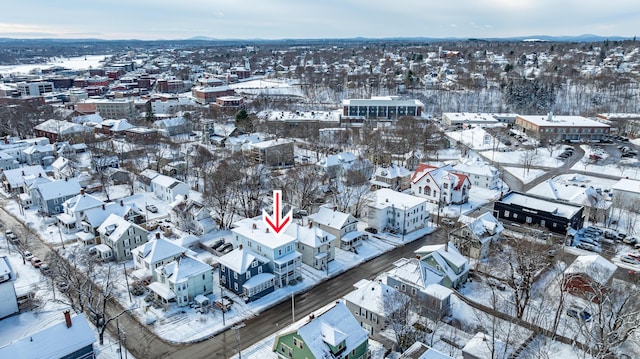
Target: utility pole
127,280
293,308
224,307
237,328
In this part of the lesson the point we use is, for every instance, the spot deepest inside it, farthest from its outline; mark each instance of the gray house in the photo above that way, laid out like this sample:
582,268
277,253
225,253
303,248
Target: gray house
50,196
373,303
122,236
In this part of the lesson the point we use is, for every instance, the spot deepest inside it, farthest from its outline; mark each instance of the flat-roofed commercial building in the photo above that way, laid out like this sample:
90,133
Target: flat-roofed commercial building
564,128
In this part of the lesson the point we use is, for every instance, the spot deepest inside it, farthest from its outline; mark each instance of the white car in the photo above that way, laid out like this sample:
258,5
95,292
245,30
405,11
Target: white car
27,256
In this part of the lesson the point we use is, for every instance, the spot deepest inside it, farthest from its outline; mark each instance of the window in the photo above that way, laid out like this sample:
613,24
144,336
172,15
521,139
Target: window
403,287
259,270
515,215
235,286
138,239
506,214
203,277
224,269
446,186
528,219
542,222
235,275
248,275
254,264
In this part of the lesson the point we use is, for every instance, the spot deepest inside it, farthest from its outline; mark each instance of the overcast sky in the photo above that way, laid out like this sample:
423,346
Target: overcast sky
277,19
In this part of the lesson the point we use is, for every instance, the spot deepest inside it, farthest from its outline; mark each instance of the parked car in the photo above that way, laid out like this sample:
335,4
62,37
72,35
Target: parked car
224,247
635,256
630,260
588,247
371,230
36,262
576,312
45,268
630,240
28,255
448,221
151,208
10,235
217,244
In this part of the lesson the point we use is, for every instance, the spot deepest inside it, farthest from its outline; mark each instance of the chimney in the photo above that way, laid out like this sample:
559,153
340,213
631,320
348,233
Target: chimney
266,230
310,224
23,173
255,226
82,191
121,203
103,206
157,235
335,208
240,246
6,139
446,246
67,318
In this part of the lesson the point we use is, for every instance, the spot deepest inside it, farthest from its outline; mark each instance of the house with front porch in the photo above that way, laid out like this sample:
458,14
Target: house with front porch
13,180
316,246
121,236
342,225
246,273
330,332
155,254
74,208
278,248
182,280
94,217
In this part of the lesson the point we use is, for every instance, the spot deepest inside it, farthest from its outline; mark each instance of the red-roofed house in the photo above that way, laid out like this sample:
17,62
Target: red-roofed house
440,184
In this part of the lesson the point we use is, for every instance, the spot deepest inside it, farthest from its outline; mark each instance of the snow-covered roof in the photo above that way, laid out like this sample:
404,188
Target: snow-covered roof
60,127
392,171
595,266
338,159
330,218
60,163
82,202
97,215
271,143
5,268
170,122
15,177
627,185
476,165
38,149
117,125
185,267
165,181
115,226
562,121
239,260
484,225
565,210
158,250
415,272
377,297
52,342
479,348
256,230
419,350
311,236
258,279
382,101
329,326
385,197
59,189
446,251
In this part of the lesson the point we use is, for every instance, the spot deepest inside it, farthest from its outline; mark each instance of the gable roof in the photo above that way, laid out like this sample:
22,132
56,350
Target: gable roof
115,226
330,325
330,218
421,171
312,236
15,177
416,273
239,260
183,268
483,226
59,189
97,215
52,342
376,297
82,202
158,250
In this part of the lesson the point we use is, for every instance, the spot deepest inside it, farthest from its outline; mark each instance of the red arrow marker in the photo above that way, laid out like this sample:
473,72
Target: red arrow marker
280,222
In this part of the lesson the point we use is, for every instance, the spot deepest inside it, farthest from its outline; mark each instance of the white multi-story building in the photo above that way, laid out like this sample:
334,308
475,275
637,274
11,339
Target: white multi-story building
397,212
480,173
280,249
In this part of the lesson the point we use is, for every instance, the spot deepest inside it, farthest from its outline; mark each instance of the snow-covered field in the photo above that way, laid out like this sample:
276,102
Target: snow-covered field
73,63
523,174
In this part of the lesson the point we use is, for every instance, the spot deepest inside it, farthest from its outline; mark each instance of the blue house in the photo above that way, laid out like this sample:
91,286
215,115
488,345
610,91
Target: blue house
50,196
246,273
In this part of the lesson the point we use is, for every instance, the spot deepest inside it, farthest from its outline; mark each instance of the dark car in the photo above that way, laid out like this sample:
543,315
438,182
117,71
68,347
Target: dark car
225,247
371,230
217,244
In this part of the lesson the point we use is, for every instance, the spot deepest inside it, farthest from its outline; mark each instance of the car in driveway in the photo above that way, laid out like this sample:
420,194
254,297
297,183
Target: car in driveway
36,262
10,235
588,247
448,221
630,240
225,247
151,208
28,255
